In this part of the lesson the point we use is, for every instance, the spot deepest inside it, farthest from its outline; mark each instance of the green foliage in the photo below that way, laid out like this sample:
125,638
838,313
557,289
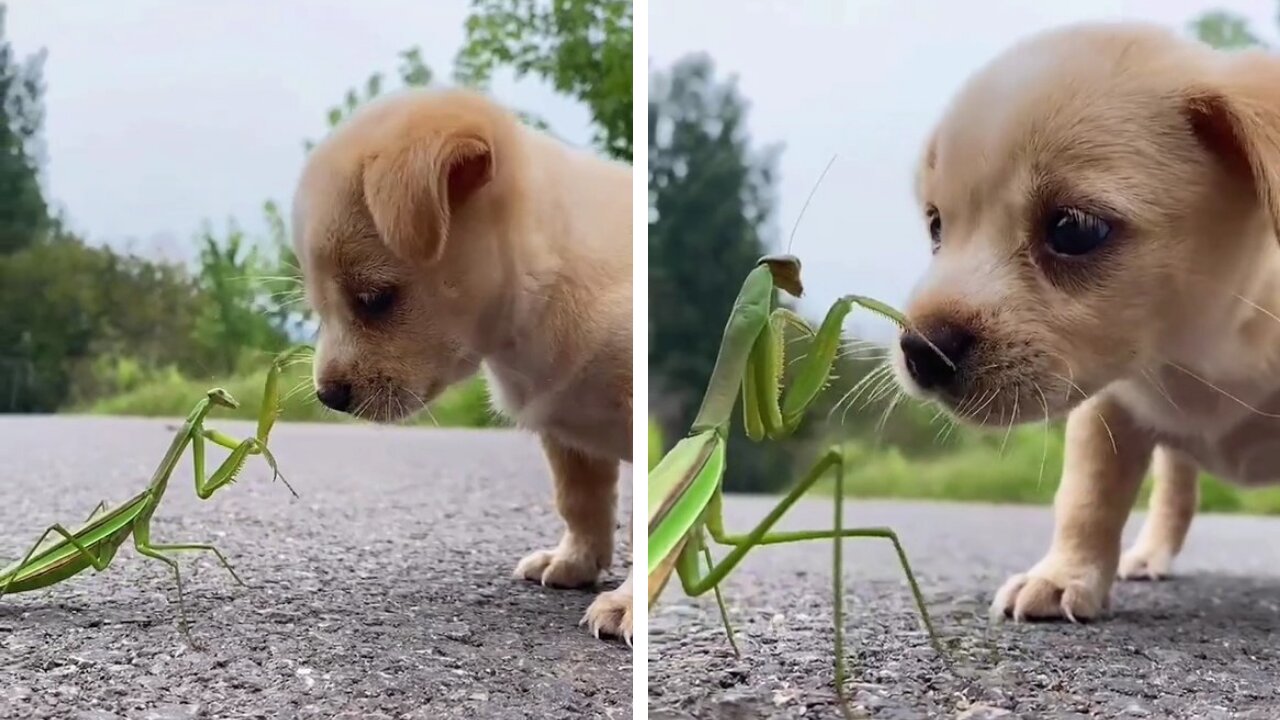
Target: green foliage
581,47
92,302
1225,30
975,468
235,317
172,395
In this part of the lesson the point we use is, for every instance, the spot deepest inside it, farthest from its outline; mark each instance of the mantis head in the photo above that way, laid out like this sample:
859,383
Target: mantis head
786,272
218,396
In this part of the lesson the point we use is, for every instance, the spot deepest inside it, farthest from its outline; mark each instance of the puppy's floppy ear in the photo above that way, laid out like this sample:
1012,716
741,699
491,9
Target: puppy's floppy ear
1238,119
412,191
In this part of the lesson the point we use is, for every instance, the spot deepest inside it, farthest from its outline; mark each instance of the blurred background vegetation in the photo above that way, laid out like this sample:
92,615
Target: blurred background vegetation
89,328
711,205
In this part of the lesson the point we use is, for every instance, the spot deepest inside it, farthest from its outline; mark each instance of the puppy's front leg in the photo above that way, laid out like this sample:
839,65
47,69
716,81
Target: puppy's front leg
586,496
1106,458
1173,503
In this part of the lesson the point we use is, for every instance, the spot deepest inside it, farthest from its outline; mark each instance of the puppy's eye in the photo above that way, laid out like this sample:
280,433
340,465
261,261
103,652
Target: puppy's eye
1069,231
377,303
935,227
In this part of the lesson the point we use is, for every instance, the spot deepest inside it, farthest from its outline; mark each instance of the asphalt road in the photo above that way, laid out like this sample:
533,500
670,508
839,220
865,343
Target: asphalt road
384,592
1202,645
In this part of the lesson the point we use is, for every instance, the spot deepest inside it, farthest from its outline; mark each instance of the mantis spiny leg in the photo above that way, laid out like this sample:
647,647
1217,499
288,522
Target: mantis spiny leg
246,447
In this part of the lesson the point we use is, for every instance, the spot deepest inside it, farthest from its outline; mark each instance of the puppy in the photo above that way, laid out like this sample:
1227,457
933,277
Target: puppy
1103,203
439,236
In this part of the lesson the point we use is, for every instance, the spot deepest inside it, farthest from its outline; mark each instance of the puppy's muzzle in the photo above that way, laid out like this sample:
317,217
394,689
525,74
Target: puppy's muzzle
936,367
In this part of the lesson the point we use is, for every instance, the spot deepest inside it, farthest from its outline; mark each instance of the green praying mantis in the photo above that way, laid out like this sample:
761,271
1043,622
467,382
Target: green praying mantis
60,553
685,488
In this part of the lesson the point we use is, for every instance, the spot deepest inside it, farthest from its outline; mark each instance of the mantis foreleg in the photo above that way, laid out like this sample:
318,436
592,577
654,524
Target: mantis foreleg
240,450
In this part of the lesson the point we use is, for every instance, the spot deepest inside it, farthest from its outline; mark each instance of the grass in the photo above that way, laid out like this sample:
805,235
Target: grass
465,405
1025,472
984,467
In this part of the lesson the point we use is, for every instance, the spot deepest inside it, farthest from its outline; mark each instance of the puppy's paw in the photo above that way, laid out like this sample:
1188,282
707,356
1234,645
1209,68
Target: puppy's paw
610,614
1053,590
1143,562
566,566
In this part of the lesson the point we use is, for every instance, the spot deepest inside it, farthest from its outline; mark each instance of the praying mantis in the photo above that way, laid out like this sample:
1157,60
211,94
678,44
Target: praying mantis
685,488
95,543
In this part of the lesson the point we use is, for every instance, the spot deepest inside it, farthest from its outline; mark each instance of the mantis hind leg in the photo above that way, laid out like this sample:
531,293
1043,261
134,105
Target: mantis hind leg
99,561
760,535
102,505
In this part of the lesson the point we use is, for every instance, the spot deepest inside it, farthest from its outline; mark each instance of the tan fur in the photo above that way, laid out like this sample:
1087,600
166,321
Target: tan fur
487,245
1166,340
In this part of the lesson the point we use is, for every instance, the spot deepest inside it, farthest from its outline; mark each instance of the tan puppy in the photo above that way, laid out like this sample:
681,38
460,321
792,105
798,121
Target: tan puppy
438,235
1104,203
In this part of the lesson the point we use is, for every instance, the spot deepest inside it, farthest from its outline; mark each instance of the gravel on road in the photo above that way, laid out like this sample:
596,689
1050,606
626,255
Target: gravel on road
1201,645
385,592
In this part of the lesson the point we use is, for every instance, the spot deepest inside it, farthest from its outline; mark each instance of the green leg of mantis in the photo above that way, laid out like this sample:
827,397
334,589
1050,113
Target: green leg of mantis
695,583
267,416
685,487
97,562
102,505
142,543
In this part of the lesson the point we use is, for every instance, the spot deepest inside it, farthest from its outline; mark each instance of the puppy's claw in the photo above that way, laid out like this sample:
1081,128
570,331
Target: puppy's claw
1042,596
1143,563
610,614
558,569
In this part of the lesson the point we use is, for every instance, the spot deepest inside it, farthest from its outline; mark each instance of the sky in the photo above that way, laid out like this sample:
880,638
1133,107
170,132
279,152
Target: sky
865,80
161,114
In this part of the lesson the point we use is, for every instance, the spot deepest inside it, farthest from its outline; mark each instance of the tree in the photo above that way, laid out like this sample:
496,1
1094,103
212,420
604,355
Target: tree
581,47
235,315
1225,30
24,216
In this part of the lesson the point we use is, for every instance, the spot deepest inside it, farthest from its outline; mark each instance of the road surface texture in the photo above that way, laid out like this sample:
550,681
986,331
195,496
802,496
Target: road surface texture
1202,645
385,592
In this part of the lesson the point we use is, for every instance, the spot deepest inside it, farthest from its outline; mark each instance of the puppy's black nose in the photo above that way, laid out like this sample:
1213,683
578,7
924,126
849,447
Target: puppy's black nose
930,370
335,396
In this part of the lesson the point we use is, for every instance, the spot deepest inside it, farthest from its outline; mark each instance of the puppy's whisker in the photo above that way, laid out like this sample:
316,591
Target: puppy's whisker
1013,416
1160,388
297,388
1114,448
856,390
1044,453
882,388
884,419
1223,392
991,396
